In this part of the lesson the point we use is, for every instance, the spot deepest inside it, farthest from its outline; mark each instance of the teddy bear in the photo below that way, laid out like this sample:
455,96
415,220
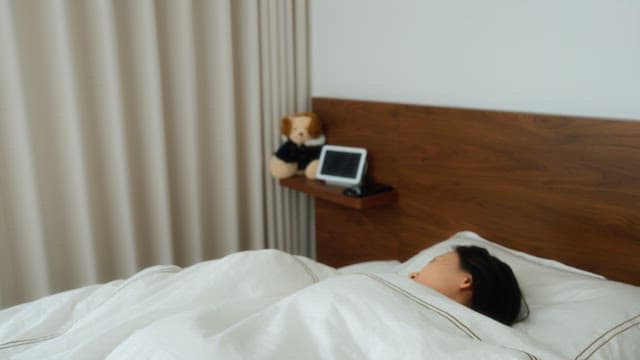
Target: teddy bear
303,139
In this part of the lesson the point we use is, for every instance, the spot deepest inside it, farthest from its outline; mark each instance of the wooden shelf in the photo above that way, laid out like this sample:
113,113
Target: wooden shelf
320,190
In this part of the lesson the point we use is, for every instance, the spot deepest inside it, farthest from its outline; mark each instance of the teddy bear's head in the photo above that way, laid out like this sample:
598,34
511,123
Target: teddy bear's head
301,127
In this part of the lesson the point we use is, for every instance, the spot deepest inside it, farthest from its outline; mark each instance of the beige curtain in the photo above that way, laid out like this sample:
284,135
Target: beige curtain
135,133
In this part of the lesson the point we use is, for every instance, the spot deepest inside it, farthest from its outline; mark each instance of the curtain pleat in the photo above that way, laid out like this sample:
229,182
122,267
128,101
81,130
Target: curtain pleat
53,116
145,130
23,249
135,133
101,121
219,101
249,130
271,187
181,114
301,97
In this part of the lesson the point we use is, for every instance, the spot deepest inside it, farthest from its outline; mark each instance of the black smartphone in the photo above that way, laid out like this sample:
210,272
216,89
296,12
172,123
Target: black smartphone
366,189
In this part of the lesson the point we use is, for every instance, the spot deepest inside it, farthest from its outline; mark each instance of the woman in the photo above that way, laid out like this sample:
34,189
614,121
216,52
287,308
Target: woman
475,278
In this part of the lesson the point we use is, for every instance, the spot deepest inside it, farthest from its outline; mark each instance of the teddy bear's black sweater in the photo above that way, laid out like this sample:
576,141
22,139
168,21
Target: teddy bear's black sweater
291,152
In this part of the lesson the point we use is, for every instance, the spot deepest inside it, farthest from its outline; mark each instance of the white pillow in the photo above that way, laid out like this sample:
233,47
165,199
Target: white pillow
419,260
578,314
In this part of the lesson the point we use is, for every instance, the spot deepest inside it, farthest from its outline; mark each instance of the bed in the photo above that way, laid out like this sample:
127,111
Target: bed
555,197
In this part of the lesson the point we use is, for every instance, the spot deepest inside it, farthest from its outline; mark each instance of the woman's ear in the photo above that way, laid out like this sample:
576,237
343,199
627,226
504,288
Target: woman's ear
466,282
465,290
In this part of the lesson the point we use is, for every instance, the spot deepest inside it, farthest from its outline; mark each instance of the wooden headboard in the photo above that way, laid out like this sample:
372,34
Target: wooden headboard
560,187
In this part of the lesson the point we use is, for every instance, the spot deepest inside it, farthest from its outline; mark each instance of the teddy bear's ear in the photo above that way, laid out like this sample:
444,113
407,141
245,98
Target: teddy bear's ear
315,126
285,126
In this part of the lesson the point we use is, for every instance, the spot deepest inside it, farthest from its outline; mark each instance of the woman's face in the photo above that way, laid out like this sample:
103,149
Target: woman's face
444,275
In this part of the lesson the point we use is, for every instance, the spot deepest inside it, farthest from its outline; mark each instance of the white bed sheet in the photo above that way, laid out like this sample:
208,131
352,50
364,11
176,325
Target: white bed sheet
258,304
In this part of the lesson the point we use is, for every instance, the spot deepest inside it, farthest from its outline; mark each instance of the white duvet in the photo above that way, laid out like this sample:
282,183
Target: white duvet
257,305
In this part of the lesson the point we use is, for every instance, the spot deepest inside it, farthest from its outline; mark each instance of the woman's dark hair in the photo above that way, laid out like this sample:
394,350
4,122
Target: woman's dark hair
495,289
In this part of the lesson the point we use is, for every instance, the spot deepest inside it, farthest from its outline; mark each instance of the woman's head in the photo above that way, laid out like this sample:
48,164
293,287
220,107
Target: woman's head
473,277
445,275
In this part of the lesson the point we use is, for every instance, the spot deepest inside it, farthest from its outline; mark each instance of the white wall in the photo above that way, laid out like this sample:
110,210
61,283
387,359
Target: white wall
579,57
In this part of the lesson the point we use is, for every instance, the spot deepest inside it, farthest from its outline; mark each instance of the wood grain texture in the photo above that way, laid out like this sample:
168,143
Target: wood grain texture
560,187
319,190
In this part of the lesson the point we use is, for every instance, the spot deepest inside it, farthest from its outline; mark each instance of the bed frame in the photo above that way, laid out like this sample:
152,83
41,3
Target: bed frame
566,188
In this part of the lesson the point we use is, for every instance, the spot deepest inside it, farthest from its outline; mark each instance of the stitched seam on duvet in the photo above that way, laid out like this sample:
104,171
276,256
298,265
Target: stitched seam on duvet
457,323
530,356
603,335
306,268
635,321
606,342
441,312
14,343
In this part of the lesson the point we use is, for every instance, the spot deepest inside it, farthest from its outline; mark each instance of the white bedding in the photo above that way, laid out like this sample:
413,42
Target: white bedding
578,314
259,304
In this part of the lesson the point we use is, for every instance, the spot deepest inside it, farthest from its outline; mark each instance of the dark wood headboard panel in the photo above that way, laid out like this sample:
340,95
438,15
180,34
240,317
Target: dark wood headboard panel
560,187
